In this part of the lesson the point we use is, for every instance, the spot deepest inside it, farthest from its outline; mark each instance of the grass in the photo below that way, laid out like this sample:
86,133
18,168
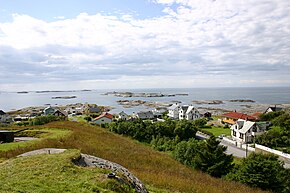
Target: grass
44,133
217,131
156,169
55,173
79,118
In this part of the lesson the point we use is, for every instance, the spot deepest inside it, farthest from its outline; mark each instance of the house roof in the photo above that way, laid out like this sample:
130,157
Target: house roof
274,109
190,108
146,114
172,107
2,112
184,107
62,112
236,115
107,115
246,126
256,115
123,113
48,108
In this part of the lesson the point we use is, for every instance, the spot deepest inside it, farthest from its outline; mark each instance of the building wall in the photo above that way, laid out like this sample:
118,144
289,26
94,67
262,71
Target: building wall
103,120
173,113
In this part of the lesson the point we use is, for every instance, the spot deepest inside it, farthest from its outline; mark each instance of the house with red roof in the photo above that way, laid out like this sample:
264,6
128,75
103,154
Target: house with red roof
103,118
232,117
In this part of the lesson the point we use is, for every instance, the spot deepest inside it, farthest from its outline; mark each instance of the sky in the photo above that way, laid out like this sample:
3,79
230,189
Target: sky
125,44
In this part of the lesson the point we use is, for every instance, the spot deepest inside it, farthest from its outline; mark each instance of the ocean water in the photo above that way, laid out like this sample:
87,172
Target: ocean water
276,95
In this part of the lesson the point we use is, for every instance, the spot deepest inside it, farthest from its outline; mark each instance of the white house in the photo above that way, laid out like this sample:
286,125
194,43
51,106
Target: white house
273,109
5,118
158,112
188,113
48,111
244,131
144,115
104,118
173,111
123,116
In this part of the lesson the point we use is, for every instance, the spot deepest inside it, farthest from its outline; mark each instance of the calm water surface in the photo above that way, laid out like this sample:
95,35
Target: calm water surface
13,100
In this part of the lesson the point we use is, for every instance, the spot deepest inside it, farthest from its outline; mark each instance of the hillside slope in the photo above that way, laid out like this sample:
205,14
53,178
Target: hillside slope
55,173
154,168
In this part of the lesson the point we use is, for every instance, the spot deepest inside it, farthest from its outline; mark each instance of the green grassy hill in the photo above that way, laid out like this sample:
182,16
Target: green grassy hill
156,169
55,173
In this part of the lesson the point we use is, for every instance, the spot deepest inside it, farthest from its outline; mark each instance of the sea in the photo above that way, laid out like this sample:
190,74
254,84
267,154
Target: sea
267,95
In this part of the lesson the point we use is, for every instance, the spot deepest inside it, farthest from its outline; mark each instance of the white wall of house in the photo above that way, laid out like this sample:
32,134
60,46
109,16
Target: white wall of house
173,111
123,116
189,113
244,131
5,119
48,111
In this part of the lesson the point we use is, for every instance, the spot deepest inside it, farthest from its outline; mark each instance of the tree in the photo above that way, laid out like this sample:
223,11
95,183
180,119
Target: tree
200,122
261,170
212,158
88,118
185,151
185,130
271,115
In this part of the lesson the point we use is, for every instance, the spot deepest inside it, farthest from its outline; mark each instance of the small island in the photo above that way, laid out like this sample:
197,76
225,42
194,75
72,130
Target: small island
64,97
143,94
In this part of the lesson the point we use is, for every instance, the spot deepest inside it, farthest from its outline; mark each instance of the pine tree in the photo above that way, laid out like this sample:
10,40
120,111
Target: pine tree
212,159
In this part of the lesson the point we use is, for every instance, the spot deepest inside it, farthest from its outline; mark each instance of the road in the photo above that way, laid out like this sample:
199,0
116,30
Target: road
235,151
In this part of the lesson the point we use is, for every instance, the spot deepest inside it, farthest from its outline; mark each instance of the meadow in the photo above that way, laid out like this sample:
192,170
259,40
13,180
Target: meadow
156,169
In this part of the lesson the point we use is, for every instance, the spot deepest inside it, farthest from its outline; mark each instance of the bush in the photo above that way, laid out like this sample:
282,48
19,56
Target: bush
41,120
263,171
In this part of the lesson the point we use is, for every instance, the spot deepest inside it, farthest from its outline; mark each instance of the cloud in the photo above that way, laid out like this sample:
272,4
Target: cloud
193,40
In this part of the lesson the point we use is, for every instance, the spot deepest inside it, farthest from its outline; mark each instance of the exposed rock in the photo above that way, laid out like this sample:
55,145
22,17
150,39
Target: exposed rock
143,94
242,101
208,102
92,161
64,97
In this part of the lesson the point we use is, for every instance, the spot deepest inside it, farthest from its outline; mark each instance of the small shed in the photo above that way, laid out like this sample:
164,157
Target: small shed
6,136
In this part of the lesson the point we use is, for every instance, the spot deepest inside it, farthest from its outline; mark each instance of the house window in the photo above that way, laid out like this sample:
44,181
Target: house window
234,133
241,136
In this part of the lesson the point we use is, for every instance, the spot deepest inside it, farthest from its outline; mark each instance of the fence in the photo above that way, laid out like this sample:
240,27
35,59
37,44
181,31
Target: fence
276,152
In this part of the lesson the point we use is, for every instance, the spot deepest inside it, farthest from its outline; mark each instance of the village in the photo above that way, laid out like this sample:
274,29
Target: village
230,136
239,128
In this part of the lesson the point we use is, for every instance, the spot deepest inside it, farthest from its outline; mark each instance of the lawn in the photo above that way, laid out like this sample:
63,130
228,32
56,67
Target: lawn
217,131
44,133
156,169
55,173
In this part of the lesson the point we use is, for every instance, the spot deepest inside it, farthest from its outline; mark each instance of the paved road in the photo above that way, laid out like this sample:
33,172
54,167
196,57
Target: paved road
235,151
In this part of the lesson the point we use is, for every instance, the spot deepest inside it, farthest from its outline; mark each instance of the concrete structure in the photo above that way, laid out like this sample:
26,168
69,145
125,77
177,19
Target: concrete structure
6,136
